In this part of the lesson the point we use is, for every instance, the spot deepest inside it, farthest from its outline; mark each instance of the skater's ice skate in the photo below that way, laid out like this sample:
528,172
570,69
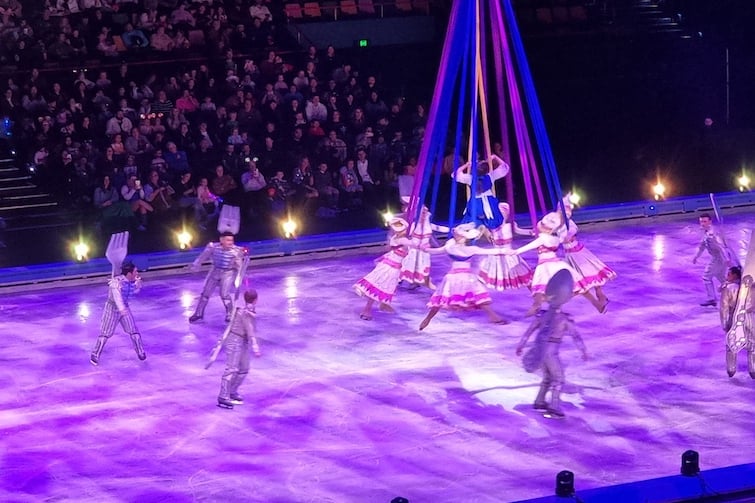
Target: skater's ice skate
225,403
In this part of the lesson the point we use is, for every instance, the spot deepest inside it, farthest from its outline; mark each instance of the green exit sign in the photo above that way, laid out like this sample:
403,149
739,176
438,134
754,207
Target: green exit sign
363,42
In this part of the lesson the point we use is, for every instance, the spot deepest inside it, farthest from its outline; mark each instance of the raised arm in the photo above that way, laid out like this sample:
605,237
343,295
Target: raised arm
500,169
462,174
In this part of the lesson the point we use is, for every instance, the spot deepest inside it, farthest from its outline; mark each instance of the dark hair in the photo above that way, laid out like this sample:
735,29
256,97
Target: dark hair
736,271
705,215
127,267
250,296
226,233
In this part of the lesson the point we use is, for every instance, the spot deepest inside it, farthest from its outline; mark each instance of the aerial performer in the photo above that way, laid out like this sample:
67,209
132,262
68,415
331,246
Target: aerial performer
482,206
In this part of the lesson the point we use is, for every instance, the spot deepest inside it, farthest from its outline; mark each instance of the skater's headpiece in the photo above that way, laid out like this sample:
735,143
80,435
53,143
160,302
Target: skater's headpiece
398,224
550,221
468,231
127,267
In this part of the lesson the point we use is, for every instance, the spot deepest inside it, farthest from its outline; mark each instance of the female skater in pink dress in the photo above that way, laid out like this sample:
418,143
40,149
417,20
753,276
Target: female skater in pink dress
460,288
415,268
594,272
380,284
508,271
548,263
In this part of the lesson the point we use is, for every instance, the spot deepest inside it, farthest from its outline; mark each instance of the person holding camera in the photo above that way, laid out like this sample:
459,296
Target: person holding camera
254,184
158,192
133,193
119,124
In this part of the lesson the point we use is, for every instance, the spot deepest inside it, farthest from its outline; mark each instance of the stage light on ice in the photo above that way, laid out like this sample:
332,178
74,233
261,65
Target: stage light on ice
184,239
81,251
659,191
289,228
743,181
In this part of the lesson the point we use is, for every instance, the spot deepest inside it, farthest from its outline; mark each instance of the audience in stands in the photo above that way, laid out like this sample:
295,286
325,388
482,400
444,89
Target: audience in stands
239,120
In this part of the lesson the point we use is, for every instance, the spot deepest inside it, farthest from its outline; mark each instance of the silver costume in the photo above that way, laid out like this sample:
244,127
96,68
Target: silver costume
551,326
241,334
745,337
714,243
226,262
117,311
737,313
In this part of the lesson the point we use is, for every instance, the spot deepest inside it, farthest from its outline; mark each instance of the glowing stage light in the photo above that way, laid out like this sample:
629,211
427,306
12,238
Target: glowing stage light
387,216
81,251
184,239
659,191
289,228
744,182
574,198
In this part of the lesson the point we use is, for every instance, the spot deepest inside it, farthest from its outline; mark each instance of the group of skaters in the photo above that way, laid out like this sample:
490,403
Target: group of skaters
737,308
226,274
554,280
501,266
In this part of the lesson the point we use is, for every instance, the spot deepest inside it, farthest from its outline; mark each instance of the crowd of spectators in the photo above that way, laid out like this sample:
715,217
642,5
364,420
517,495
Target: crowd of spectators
245,124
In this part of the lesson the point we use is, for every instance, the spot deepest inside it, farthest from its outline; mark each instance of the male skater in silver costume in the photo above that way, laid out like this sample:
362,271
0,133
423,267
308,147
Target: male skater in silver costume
241,332
117,311
720,258
227,260
551,326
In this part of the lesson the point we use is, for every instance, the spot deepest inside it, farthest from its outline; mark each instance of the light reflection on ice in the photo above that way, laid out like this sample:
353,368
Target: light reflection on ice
84,311
659,251
292,286
187,299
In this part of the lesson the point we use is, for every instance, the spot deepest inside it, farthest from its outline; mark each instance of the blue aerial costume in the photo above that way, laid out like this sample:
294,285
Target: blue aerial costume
482,207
